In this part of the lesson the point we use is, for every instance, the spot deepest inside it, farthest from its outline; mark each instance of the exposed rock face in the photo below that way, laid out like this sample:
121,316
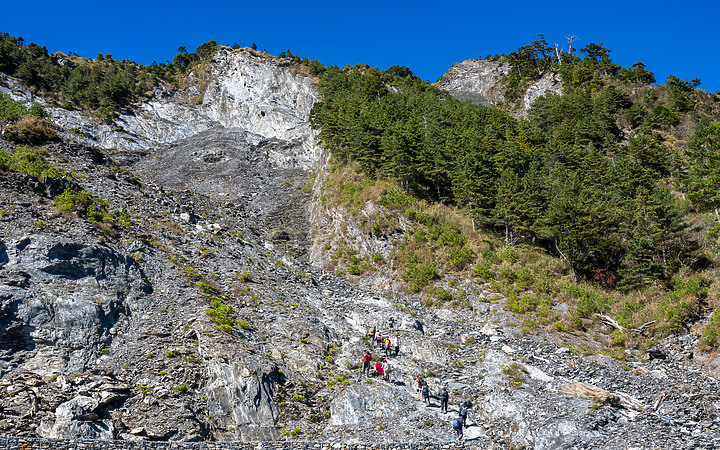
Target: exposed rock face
259,95
60,300
240,396
74,419
550,83
481,82
475,80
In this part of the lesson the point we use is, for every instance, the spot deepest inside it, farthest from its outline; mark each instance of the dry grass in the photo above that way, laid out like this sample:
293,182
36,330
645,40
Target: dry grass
30,129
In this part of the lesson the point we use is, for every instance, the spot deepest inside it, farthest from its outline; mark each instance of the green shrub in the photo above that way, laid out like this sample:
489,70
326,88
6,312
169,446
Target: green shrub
10,109
395,197
482,270
460,257
524,303
206,287
490,256
221,314
588,301
711,332
36,110
443,294
525,278
356,269
29,161
86,204
508,274
510,254
124,218
245,276
182,388
419,273
515,373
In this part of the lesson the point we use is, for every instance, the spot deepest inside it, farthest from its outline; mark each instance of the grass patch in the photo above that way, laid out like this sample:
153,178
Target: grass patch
221,314
30,161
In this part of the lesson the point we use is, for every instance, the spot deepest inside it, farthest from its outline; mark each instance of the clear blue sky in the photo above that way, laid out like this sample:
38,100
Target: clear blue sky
671,37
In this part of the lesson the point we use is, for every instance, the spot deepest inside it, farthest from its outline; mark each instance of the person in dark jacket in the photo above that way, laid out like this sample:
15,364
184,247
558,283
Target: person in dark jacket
463,414
444,397
457,425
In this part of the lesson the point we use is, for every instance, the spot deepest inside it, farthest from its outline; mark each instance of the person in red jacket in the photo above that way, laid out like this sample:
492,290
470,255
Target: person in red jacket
366,361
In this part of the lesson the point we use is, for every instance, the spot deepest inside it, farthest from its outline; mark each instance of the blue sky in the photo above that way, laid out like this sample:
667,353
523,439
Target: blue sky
671,37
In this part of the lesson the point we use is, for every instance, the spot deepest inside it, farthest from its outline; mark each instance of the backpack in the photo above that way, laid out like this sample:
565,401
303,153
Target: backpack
457,423
367,358
463,411
425,389
444,393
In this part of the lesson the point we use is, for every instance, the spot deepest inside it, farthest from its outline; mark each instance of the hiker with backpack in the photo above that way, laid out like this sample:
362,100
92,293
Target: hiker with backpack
378,339
397,344
379,368
426,393
386,370
367,359
444,396
388,348
418,388
463,414
457,425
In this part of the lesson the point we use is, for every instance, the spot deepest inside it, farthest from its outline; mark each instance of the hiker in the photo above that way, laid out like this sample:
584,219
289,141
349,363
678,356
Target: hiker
378,339
426,393
391,323
457,425
386,370
397,344
372,333
463,414
444,396
418,388
367,359
379,368
388,348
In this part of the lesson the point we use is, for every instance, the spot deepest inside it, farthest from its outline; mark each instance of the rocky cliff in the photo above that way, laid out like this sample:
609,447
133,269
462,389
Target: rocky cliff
482,82
107,332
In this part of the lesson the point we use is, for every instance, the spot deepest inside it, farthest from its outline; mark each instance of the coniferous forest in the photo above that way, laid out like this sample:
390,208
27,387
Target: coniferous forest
600,176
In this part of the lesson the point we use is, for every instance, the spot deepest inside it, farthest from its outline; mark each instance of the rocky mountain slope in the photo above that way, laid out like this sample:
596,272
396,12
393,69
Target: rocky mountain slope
106,332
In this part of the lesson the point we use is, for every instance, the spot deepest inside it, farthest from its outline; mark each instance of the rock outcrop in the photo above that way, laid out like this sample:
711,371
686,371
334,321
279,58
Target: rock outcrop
482,82
476,80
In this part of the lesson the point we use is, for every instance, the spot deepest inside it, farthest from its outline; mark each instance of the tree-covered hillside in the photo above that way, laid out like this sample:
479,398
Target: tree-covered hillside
102,85
597,176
